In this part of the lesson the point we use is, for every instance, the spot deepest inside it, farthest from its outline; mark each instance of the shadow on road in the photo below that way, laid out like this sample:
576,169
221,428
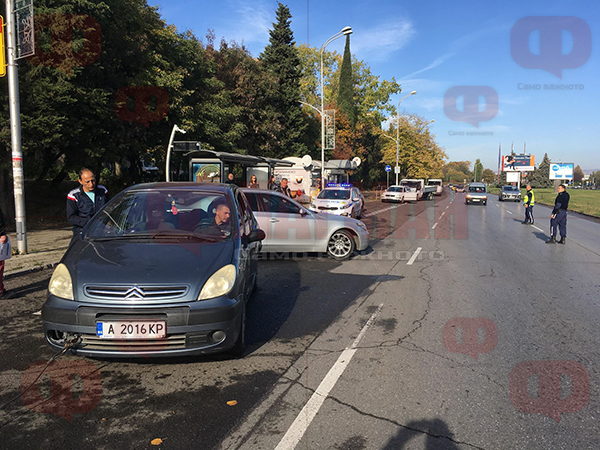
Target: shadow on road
438,436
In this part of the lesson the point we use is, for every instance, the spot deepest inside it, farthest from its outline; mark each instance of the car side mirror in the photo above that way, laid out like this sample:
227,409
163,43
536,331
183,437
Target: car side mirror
256,235
303,212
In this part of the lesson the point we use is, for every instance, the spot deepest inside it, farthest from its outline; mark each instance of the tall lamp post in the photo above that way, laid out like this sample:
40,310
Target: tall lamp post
168,163
343,32
397,168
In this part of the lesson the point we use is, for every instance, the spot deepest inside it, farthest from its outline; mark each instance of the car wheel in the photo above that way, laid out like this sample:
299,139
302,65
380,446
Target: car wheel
340,246
240,344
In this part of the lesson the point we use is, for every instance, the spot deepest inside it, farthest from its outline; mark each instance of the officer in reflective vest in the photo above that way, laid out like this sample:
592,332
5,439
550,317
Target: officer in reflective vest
529,200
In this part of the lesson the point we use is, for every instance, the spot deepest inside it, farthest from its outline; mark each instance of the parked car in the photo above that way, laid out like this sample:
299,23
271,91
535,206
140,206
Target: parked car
339,199
393,194
476,193
163,269
290,227
509,192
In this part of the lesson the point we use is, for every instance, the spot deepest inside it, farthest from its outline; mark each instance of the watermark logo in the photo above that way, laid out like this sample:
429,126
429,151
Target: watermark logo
470,344
549,400
142,97
75,387
66,51
551,57
471,112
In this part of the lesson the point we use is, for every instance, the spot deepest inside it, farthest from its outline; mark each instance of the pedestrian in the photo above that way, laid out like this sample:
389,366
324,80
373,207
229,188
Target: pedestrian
3,240
529,201
271,185
85,201
253,183
284,189
229,179
558,219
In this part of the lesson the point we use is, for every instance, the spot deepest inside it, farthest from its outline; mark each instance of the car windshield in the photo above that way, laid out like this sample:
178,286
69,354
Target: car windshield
476,189
510,188
395,189
334,194
165,213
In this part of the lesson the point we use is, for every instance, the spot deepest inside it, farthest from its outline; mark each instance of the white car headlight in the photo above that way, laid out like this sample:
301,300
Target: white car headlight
220,283
61,284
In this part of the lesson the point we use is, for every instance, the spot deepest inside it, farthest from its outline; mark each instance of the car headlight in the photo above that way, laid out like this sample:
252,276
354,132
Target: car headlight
61,284
220,283
468,196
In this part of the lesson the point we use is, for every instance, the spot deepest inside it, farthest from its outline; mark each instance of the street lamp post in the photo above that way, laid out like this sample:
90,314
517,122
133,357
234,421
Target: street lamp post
168,163
344,31
397,169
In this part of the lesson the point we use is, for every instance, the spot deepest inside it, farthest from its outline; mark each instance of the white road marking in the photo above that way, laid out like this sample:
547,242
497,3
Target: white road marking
442,215
297,430
381,210
414,256
537,228
447,206
497,205
434,225
508,212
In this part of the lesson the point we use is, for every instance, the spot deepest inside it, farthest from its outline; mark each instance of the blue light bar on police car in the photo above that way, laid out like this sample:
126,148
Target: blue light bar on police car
343,185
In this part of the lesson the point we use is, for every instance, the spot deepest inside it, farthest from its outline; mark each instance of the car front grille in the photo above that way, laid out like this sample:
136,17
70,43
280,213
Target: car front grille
131,294
328,208
174,342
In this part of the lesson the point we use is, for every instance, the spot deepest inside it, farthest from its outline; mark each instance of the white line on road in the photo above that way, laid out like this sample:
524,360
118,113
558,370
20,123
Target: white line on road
380,210
508,212
434,225
537,228
303,420
447,206
442,215
414,256
497,205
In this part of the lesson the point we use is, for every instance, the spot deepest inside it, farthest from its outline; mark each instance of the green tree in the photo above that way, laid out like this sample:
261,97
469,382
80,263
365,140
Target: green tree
477,170
578,174
281,58
345,98
457,171
488,176
540,177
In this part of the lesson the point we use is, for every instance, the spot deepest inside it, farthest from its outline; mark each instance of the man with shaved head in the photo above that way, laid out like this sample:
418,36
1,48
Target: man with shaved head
85,201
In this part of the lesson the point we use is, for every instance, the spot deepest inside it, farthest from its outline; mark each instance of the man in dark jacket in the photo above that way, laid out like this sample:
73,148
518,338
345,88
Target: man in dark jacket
559,216
3,239
284,188
85,201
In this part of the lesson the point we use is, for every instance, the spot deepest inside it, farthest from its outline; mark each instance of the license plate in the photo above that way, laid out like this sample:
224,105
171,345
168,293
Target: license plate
132,329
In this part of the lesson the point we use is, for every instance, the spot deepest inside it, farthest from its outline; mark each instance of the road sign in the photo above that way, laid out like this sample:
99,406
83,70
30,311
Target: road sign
2,60
397,169
388,168
23,19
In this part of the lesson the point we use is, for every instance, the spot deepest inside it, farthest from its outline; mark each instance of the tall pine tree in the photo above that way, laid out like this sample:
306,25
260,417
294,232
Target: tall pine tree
540,178
345,98
281,58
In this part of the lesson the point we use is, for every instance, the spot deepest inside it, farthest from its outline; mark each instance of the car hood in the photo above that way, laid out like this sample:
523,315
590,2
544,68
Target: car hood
122,262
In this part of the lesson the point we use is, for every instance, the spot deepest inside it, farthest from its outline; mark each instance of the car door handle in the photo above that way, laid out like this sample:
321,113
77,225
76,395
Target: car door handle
273,220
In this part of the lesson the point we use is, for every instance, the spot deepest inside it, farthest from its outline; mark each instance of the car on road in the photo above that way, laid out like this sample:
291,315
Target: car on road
290,227
393,194
476,193
509,192
164,269
459,188
340,199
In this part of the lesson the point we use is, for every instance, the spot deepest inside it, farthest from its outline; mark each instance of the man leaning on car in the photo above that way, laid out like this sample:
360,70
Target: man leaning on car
85,201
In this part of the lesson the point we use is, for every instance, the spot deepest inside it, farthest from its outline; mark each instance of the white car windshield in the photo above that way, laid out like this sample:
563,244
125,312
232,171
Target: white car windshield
334,194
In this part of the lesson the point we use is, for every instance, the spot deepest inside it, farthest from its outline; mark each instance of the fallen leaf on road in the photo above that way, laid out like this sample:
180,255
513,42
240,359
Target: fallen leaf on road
156,441
232,402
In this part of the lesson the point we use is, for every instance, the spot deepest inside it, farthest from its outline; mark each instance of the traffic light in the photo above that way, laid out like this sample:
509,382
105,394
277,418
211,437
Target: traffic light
2,58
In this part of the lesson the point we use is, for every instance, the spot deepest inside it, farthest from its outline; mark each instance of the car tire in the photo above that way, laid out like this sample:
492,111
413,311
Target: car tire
340,245
240,344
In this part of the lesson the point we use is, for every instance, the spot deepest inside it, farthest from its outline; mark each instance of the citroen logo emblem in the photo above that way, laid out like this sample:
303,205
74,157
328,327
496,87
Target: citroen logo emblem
134,293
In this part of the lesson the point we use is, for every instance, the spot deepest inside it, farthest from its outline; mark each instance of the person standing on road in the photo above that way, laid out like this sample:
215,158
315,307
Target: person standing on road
558,219
529,201
3,239
85,201
284,188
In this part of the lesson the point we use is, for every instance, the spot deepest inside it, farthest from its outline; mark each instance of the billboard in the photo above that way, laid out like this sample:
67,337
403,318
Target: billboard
518,163
561,171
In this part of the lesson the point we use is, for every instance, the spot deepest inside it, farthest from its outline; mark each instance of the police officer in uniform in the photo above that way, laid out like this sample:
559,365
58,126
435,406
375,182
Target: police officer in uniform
529,201
558,219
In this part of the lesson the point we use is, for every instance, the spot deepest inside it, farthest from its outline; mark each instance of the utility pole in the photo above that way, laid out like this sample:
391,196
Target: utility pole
15,128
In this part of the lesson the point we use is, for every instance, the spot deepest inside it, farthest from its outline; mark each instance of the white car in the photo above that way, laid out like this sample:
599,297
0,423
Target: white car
290,227
393,194
339,199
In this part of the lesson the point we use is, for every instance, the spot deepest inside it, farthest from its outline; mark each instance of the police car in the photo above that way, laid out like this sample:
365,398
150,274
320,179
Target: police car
341,199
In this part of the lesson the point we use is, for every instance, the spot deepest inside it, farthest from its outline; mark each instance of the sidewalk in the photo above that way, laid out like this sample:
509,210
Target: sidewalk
45,248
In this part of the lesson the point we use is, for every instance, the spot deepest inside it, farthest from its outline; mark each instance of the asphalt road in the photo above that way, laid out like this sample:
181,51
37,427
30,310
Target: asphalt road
458,328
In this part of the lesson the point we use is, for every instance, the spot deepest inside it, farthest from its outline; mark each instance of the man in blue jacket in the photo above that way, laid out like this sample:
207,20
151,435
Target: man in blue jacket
558,219
84,201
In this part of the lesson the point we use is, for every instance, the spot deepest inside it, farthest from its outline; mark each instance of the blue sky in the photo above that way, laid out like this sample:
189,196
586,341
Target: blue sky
436,45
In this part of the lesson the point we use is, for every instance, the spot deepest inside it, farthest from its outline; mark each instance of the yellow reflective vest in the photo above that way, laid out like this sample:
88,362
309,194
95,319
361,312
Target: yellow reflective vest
525,197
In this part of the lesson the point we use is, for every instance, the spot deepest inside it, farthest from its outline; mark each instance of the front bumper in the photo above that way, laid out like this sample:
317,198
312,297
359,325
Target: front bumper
362,239
391,198
191,327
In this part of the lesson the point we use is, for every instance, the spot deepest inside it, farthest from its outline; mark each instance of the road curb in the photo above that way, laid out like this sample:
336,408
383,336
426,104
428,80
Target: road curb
19,273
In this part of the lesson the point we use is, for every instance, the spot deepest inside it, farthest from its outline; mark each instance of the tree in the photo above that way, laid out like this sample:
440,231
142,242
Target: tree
345,98
477,170
281,59
488,176
457,171
578,174
540,177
